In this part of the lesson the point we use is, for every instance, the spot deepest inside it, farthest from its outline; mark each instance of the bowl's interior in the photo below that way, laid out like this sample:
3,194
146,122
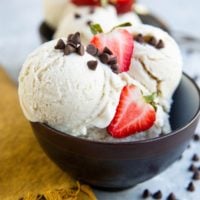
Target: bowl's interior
186,104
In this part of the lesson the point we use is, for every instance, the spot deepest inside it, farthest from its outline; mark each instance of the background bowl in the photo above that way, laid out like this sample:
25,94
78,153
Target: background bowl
121,165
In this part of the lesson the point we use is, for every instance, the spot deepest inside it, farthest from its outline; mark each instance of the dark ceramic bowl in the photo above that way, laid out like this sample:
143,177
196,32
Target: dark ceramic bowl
122,165
46,32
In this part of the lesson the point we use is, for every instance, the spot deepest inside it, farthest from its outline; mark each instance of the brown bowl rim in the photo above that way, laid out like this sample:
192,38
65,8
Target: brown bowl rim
197,114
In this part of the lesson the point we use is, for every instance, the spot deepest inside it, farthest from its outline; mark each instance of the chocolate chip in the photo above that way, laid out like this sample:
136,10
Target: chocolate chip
160,44
192,168
81,50
89,22
108,51
69,49
40,197
196,176
104,58
189,146
21,198
92,50
77,16
92,10
152,41
157,195
112,60
92,64
76,38
146,194
171,196
139,38
60,44
195,158
196,137
190,187
115,68
69,38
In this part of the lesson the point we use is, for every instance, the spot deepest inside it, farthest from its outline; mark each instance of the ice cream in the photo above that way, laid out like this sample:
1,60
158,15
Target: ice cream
54,11
80,18
87,92
157,62
65,93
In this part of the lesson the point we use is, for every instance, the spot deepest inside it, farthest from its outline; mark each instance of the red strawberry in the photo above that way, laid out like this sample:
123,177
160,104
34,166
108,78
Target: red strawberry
123,6
86,2
133,114
120,42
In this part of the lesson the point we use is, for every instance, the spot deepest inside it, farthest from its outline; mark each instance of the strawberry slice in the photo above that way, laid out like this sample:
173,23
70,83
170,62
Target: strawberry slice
120,42
133,114
123,6
86,2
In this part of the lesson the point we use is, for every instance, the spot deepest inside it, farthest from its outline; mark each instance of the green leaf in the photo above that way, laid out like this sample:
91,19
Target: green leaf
151,99
96,28
126,24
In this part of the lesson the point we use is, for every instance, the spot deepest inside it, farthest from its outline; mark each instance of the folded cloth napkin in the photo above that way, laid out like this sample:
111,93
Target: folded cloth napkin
26,173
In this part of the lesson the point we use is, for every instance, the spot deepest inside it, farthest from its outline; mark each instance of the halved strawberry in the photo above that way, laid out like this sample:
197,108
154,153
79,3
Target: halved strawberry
120,42
123,6
133,114
86,2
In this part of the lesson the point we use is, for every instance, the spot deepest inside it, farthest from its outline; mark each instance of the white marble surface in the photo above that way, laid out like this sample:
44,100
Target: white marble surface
20,20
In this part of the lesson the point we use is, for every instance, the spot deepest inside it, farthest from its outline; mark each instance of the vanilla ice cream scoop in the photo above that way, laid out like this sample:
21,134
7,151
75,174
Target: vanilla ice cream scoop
54,11
157,62
67,93
80,18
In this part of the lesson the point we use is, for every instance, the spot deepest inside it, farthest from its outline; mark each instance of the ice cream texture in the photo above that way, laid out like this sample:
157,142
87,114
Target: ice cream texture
157,62
64,93
80,18
72,90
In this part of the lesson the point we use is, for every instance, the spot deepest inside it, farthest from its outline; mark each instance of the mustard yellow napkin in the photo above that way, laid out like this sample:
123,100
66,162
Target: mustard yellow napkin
25,171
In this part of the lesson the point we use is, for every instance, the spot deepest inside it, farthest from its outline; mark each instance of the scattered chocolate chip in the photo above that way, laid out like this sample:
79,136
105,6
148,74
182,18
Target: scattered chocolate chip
92,10
152,41
115,68
21,198
108,51
40,197
112,60
81,50
171,196
192,168
89,22
189,146
190,187
77,16
92,50
157,195
196,176
196,137
139,38
69,49
160,44
104,58
60,44
195,158
92,64
146,194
